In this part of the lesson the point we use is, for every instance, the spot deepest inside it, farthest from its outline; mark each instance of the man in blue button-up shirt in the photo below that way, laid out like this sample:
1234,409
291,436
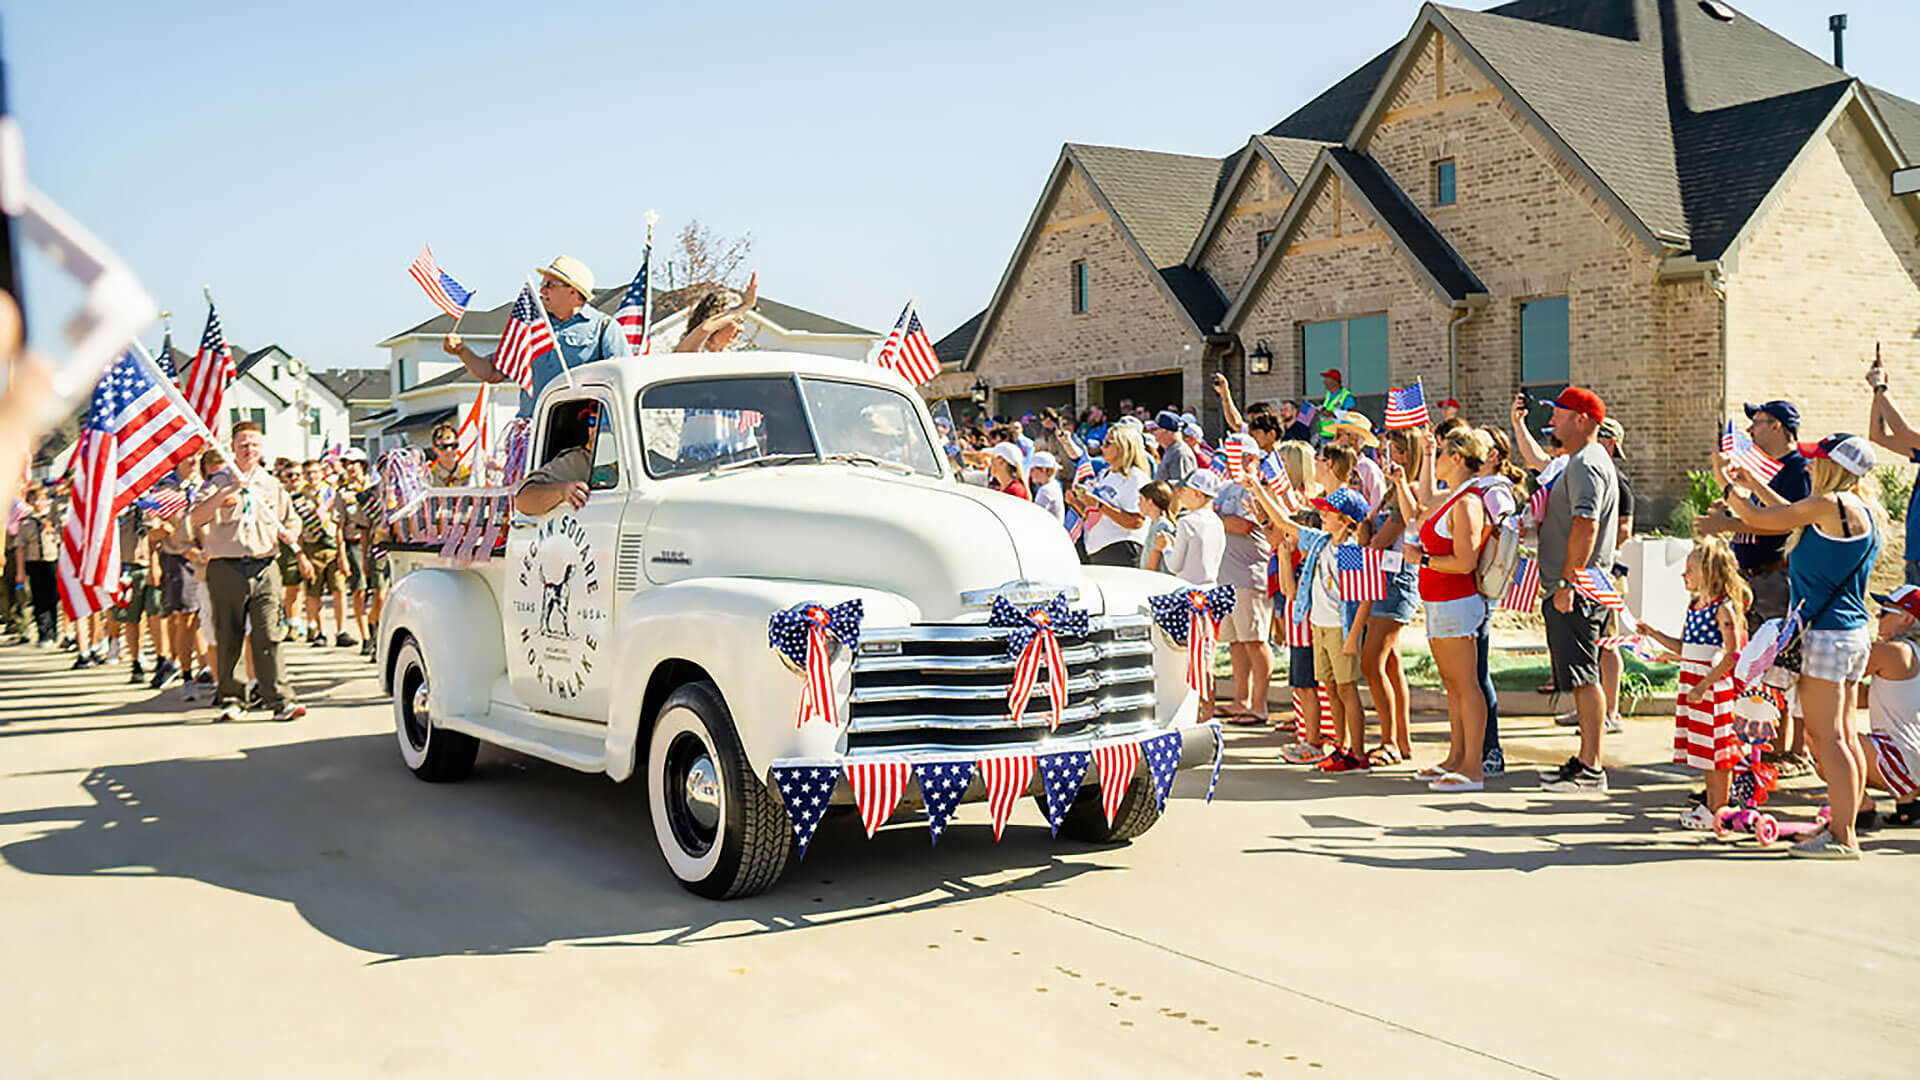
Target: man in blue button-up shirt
582,334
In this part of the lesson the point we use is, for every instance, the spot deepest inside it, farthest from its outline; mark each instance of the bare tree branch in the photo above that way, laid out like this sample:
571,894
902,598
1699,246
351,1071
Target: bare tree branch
702,256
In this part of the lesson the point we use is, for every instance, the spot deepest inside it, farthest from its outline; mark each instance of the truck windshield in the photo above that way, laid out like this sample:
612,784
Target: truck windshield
695,426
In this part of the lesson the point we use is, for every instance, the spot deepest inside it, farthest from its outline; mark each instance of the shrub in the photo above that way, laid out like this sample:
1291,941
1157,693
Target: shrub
1895,490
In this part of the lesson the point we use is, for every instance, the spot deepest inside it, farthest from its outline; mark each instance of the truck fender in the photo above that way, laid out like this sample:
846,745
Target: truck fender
720,626
1125,592
455,617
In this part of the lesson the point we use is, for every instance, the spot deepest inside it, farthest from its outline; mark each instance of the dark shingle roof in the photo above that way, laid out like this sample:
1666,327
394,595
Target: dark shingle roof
1764,136
804,321
953,348
445,378
358,384
1197,293
1331,116
1415,234
1162,199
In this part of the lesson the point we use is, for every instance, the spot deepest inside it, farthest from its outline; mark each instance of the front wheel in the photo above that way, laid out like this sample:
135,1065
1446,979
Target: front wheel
723,834
1086,819
433,753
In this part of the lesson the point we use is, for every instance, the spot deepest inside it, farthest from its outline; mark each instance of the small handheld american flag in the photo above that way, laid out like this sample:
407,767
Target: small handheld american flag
1407,407
907,350
1738,445
1273,476
1361,574
163,502
1592,583
447,294
1524,593
526,338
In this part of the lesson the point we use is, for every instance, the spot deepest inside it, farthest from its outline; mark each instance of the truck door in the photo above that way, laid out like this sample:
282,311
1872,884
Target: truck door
559,579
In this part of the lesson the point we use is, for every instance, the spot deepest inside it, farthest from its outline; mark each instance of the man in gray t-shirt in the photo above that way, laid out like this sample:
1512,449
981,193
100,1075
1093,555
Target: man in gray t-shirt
1578,533
1177,460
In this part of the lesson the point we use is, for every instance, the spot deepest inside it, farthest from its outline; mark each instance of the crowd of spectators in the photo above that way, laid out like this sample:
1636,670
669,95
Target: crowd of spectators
1453,509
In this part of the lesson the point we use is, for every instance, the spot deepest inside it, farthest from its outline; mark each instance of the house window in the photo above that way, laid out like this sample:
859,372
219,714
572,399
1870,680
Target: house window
1261,239
1545,352
1080,287
405,370
258,416
313,421
1443,193
1357,348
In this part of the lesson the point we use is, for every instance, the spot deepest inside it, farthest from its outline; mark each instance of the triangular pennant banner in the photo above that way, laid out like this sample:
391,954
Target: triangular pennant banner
806,789
877,787
1219,758
1117,764
941,785
1006,779
1163,760
1060,776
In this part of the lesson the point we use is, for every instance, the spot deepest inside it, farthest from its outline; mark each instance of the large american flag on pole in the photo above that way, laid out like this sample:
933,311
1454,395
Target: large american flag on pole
133,434
206,389
633,313
447,294
525,338
907,349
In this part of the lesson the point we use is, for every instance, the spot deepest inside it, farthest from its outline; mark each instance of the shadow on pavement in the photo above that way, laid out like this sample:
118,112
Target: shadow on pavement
520,855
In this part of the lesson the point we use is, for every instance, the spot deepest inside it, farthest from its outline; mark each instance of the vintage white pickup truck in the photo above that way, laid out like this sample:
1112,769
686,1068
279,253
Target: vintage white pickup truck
632,637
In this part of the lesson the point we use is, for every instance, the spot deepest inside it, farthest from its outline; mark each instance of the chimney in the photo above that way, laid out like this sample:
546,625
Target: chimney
1838,24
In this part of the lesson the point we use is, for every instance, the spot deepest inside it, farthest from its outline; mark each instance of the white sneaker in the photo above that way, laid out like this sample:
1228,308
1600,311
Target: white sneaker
1569,719
231,713
1698,818
1612,725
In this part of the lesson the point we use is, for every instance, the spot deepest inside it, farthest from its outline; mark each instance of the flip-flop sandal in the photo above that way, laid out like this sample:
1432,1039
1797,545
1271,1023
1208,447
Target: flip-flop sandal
1430,772
1381,757
1455,782
1246,720
1303,754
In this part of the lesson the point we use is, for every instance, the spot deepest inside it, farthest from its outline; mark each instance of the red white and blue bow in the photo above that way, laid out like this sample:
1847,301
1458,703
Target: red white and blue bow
1033,639
1191,617
800,633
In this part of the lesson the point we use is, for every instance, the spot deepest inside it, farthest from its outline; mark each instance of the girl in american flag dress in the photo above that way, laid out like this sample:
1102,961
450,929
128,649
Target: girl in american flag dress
1710,642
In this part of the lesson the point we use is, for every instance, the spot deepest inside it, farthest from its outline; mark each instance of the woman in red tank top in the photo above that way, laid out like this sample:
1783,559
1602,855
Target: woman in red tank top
1451,535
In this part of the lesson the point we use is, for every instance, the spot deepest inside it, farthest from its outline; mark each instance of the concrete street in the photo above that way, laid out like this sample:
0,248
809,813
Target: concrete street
257,899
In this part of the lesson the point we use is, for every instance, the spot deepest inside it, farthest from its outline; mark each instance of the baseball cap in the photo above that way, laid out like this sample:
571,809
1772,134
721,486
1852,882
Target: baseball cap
1043,459
1168,420
1130,421
1334,374
1189,418
1344,501
1205,481
1193,429
1612,429
1450,403
1850,451
1904,597
1583,401
354,453
1009,453
1783,411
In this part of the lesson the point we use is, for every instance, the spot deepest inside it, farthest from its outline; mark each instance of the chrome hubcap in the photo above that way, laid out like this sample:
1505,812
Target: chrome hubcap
422,702
703,793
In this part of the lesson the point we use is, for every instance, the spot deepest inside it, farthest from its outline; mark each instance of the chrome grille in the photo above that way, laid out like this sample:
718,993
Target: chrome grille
947,686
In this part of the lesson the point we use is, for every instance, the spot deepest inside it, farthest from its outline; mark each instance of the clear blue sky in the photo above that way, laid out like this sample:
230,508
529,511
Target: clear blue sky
297,156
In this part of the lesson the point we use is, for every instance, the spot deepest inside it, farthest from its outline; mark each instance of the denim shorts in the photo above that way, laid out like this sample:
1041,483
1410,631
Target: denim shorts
1402,593
1456,618
1835,655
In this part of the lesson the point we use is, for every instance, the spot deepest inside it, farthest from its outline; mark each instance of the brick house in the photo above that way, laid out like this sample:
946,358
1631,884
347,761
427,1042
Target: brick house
1661,199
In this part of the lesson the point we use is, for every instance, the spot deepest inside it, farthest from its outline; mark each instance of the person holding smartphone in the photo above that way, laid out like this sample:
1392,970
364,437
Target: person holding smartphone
1120,529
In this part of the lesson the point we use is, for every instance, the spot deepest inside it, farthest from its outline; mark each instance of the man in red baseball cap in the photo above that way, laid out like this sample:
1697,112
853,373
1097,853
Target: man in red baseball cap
1578,535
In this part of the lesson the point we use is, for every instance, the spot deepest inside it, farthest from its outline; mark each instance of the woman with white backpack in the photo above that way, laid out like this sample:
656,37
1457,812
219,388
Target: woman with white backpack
1452,534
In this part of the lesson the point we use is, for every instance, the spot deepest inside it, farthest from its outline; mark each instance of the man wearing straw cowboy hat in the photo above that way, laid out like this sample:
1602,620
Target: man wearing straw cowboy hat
582,334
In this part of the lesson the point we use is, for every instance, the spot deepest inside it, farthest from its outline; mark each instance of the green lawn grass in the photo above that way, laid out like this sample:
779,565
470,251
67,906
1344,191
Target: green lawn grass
1511,671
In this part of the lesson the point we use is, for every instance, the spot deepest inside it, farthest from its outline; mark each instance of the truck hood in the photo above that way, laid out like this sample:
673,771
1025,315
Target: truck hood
922,538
